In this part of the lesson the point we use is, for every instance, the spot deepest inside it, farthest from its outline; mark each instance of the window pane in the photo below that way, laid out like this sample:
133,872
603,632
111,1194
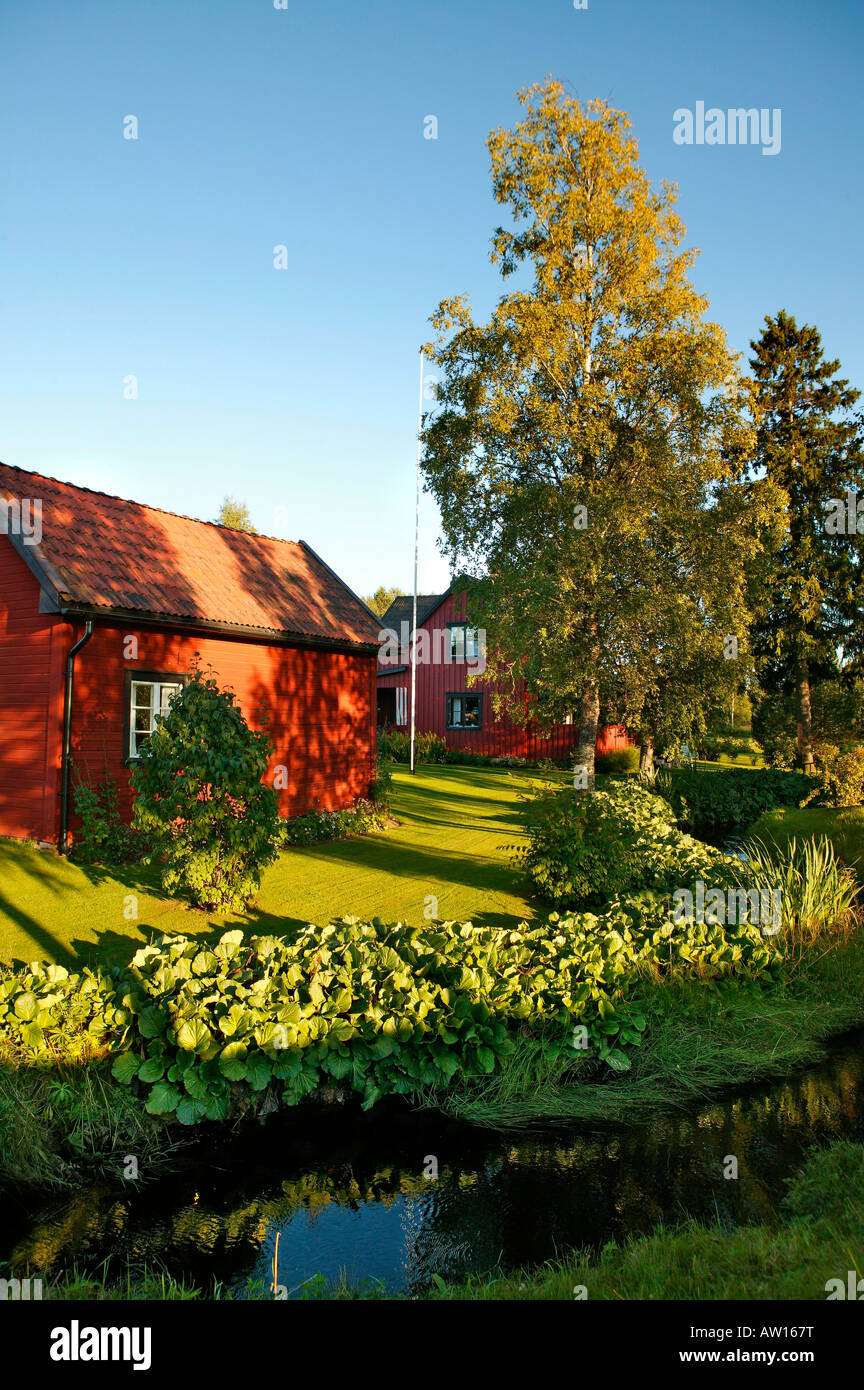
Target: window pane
167,694
142,695
142,720
472,709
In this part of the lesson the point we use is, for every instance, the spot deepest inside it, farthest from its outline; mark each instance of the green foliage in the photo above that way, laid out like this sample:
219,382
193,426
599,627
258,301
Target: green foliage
212,823
841,775
733,798
734,748
618,760
235,515
382,598
377,1009
103,837
597,377
381,788
394,745
316,826
837,713
584,849
809,445
45,1011
817,892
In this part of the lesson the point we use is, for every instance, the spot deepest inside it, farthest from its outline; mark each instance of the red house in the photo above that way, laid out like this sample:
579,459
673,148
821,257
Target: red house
103,604
448,651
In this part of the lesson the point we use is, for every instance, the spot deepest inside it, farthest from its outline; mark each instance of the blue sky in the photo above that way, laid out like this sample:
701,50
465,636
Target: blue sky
296,389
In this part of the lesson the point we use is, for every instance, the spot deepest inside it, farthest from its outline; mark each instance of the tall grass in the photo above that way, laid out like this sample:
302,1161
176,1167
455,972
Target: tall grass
60,1124
818,893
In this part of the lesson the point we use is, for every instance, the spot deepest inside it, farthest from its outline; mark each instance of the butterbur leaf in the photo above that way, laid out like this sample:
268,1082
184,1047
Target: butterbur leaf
163,1099
125,1067
151,1022
193,1036
26,1006
152,1070
32,1035
190,1111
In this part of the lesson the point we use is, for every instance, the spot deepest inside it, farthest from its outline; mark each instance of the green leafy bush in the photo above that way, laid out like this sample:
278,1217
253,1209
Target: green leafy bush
583,850
617,761
199,1029
103,836
381,788
316,826
841,776
394,745
732,798
212,823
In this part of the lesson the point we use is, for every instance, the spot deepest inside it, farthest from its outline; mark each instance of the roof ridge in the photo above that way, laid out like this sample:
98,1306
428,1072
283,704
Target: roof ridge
130,501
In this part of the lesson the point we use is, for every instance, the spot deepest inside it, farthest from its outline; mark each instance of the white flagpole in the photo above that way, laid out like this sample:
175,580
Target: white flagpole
416,552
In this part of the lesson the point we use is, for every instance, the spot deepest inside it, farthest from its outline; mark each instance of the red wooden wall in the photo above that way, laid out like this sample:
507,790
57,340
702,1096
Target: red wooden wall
499,736
322,706
33,650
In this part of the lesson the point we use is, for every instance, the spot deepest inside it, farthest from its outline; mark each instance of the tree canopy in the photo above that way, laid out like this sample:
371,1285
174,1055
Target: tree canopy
581,450
236,515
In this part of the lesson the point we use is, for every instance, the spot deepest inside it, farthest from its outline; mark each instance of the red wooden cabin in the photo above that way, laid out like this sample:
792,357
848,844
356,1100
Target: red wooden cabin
103,605
446,703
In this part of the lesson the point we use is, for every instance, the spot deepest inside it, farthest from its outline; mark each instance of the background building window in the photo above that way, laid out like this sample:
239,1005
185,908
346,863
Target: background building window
464,642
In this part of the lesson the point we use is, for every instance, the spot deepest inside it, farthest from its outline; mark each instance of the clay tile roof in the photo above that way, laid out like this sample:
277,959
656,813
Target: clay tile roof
104,552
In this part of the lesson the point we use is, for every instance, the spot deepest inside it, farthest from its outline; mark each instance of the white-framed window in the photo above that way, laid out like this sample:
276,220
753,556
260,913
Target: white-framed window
464,642
150,700
402,704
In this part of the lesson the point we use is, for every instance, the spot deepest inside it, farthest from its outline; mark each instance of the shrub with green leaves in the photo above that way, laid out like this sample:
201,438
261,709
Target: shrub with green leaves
47,1013
618,760
841,776
394,745
200,1030
316,826
212,823
103,837
582,850
732,797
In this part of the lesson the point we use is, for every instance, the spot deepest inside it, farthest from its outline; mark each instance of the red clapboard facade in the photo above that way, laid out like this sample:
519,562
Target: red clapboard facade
447,704
146,590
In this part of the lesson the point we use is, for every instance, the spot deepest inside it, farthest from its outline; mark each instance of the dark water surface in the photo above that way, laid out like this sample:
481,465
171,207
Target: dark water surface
347,1193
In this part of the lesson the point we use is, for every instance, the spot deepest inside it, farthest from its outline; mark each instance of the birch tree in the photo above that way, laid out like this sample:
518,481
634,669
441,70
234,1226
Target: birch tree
578,451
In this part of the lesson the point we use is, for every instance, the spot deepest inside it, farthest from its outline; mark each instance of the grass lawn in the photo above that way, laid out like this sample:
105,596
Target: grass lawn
448,846
845,829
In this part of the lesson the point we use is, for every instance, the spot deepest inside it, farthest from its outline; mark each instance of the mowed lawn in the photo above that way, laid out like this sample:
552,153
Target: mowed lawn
445,859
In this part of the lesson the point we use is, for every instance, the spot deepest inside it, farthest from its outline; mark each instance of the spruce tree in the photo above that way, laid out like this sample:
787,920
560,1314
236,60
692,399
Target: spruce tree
809,445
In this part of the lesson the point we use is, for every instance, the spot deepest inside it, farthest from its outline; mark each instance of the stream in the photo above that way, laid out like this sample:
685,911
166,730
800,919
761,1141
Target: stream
355,1194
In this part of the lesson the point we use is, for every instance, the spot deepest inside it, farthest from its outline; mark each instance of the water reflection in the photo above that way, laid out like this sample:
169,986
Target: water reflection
347,1191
